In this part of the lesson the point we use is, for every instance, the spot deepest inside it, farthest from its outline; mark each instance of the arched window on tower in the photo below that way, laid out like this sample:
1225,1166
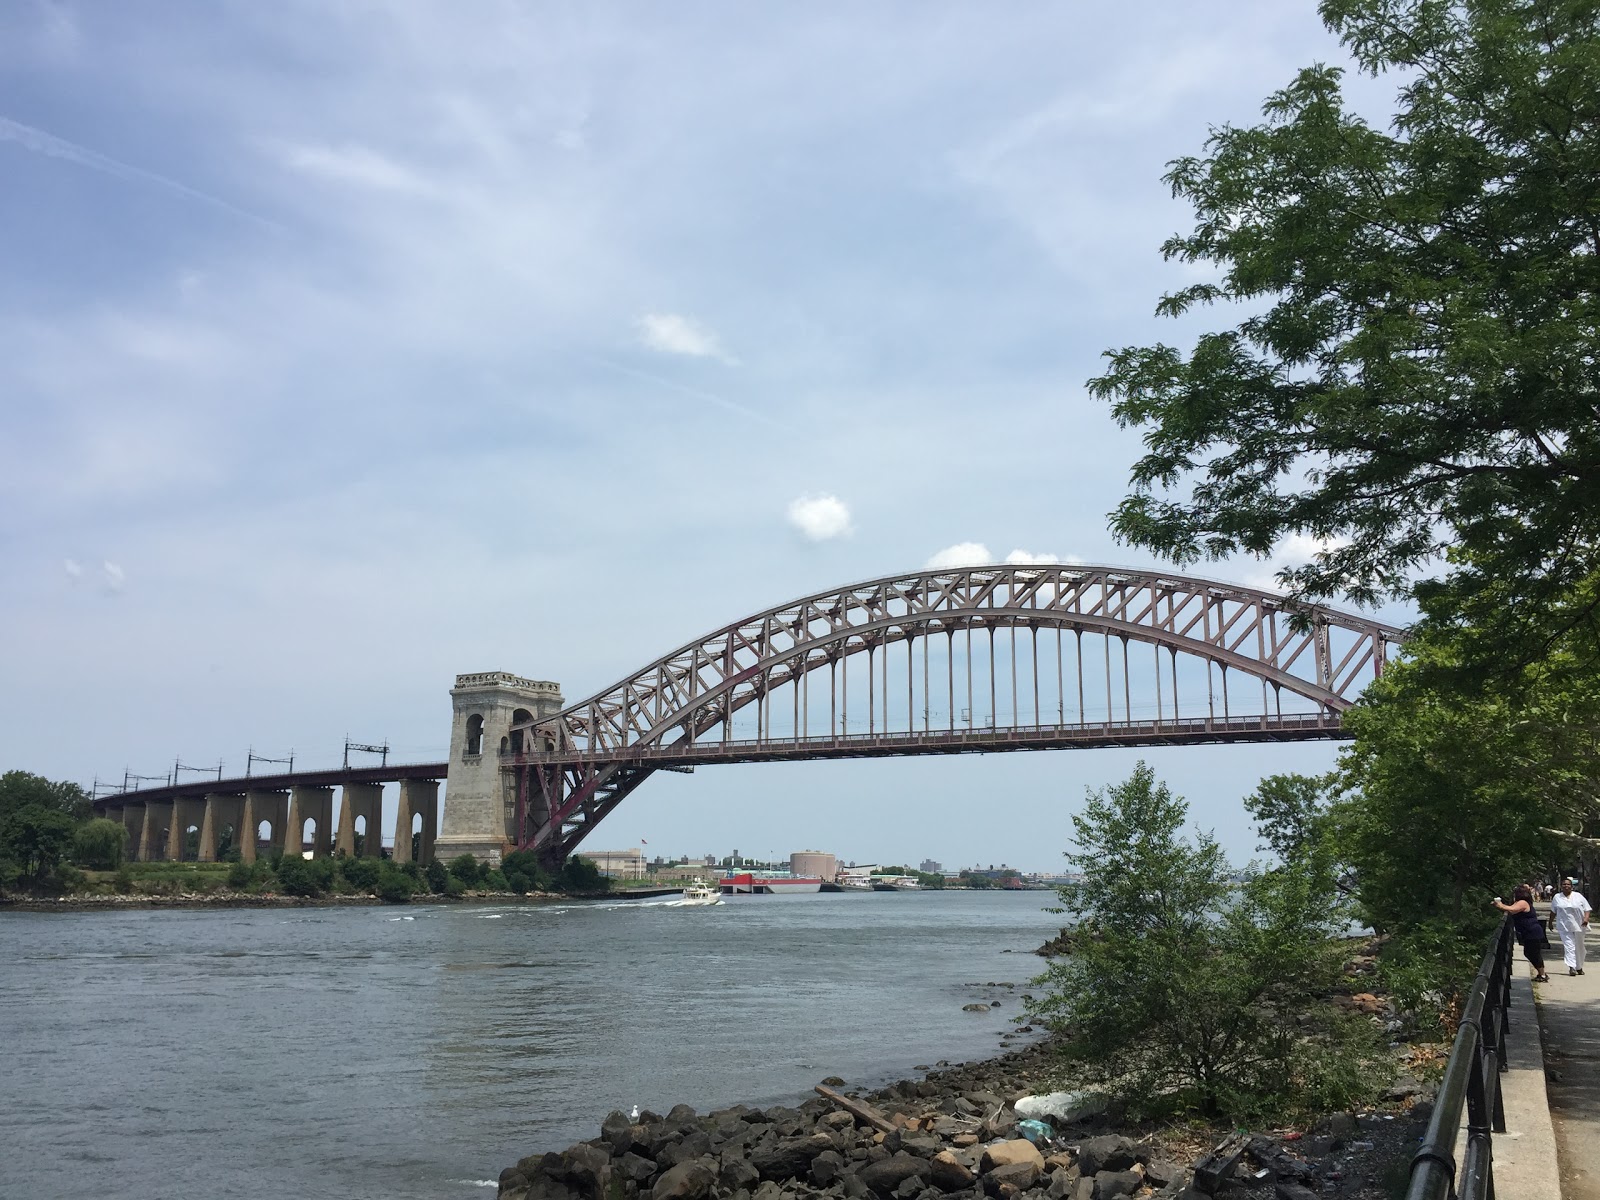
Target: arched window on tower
520,717
475,734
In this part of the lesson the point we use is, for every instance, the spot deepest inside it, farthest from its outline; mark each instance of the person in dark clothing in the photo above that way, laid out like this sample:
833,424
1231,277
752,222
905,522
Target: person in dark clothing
1525,923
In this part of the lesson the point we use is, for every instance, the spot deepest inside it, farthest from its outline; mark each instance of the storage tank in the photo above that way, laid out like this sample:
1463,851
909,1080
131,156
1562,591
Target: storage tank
813,864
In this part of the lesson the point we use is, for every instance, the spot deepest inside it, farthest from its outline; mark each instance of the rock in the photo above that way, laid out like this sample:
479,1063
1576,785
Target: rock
617,1127
837,1119
1109,1152
584,1168
1159,1172
1403,1088
826,1167
1109,1184
1342,1125
737,1173
678,1114
513,1185
1289,1190
1422,1111
964,1139
974,1008
833,1081
693,1145
686,1181
791,1157
1083,1189
1062,1183
884,1176
948,1174
635,1167
923,1145
909,1188
1019,1175
1005,1154
768,1191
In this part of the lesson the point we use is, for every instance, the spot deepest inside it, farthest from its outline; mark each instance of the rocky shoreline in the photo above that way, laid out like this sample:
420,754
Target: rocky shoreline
956,1133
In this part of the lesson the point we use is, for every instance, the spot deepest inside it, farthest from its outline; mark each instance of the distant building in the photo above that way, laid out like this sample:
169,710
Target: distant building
929,867
618,864
813,864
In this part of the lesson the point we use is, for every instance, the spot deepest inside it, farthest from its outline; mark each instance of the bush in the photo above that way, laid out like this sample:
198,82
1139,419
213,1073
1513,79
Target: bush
100,844
36,839
524,873
465,868
494,881
393,886
438,877
1187,992
239,876
361,873
124,879
579,875
295,877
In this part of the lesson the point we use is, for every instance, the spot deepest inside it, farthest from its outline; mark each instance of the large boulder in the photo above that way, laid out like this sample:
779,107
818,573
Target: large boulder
886,1175
826,1167
948,1173
1108,1152
1110,1184
790,1157
1012,1178
634,1166
691,1180
1005,1154
737,1173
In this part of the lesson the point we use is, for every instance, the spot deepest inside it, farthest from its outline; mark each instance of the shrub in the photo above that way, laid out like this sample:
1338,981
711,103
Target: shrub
100,844
393,886
437,876
1187,992
295,877
581,875
362,873
124,879
465,868
494,881
239,876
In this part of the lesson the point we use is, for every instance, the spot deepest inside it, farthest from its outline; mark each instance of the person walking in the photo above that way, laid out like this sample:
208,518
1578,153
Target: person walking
1572,921
1525,924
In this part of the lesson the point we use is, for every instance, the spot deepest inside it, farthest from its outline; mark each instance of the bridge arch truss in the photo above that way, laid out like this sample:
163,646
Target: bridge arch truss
935,662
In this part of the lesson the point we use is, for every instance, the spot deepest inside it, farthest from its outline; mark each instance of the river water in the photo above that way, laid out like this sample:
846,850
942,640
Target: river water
414,1052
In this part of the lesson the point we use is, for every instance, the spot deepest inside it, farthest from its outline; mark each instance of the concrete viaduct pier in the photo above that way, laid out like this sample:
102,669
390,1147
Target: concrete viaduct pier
160,820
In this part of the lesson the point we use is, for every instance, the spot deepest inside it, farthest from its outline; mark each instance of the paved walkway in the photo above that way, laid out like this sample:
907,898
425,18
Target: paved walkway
1569,1017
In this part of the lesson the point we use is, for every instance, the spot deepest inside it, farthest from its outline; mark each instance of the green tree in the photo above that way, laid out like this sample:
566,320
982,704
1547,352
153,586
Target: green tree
581,876
1185,992
36,839
100,844
20,789
437,876
392,885
296,878
1419,369
465,868
1290,812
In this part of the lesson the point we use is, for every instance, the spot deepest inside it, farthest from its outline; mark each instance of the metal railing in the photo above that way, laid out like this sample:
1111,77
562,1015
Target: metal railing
1471,1088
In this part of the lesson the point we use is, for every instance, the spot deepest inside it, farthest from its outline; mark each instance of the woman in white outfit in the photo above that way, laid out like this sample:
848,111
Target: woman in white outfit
1572,921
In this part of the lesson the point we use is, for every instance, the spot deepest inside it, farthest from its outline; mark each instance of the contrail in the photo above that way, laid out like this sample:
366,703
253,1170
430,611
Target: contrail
708,397
51,146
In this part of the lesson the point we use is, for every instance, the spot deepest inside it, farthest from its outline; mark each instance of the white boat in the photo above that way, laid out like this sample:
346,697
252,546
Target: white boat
699,894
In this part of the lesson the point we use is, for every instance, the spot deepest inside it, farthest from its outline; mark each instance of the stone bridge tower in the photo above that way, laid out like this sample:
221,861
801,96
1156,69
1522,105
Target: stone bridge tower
479,799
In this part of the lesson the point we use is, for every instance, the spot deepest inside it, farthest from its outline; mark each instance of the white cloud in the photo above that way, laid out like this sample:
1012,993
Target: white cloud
820,518
671,333
74,570
1025,558
962,554
112,577
360,165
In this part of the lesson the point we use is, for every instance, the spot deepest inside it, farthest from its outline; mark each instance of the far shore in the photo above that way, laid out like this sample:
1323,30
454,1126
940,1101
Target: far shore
120,901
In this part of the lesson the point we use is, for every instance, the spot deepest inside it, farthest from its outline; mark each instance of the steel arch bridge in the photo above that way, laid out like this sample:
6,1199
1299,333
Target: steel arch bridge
911,641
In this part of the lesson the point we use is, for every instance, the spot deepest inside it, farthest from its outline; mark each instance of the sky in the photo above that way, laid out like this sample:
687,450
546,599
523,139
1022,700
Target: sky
348,347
